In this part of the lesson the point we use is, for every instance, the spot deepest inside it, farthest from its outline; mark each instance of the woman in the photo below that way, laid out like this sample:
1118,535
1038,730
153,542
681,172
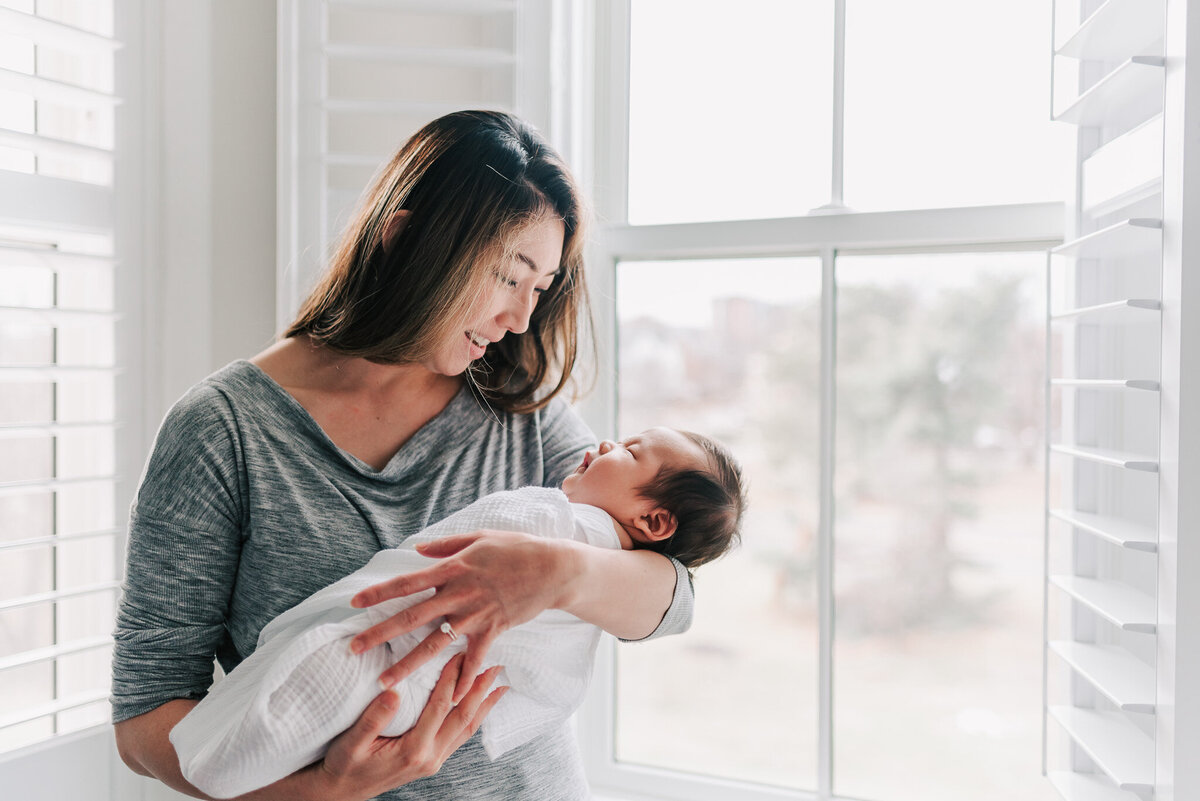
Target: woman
420,374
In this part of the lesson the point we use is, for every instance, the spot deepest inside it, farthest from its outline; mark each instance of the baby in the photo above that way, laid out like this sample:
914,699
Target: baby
670,491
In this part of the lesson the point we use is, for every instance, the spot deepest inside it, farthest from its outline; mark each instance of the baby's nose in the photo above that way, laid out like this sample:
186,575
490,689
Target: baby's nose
606,446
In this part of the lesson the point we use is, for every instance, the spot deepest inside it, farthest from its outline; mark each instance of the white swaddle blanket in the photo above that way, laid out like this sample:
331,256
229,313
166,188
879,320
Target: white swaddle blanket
278,711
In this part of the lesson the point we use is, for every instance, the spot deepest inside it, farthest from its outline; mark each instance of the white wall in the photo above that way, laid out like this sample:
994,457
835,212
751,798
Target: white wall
215,274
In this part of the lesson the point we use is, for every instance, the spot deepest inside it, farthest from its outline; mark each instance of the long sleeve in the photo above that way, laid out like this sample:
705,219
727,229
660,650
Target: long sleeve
183,554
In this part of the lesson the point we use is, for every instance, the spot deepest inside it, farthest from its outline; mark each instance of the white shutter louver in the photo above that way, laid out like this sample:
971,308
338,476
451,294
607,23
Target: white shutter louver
1105,329
59,533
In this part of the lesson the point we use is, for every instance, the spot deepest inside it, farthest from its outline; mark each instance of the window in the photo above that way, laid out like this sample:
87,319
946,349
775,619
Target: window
880,373
60,536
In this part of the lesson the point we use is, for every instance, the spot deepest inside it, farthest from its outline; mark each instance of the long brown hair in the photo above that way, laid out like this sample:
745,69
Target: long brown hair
470,181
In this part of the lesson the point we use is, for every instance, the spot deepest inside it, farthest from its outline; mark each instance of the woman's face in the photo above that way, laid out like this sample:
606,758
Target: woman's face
509,302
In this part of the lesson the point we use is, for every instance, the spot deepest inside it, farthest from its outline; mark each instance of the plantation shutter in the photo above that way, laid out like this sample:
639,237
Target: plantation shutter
1121,476
59,421
357,77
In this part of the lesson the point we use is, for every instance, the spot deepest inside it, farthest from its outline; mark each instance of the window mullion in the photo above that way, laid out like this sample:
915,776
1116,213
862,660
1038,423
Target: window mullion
828,411
837,200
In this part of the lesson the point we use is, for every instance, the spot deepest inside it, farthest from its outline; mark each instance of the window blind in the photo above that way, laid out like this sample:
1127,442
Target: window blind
1105,399
59,421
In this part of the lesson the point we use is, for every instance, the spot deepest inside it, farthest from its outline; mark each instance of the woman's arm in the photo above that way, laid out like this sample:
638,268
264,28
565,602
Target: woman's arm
359,765
490,581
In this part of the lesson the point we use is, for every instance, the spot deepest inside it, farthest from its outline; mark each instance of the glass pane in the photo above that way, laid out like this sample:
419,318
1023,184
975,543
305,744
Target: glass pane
730,109
732,354
948,104
939,527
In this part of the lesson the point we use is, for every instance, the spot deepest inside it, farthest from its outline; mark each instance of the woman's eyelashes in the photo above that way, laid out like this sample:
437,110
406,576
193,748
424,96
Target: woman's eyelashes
513,283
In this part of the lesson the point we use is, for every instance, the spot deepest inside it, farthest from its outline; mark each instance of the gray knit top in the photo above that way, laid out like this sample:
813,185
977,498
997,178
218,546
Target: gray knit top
246,508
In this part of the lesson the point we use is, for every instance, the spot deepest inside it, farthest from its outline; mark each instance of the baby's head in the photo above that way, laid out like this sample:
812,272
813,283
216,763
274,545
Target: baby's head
672,491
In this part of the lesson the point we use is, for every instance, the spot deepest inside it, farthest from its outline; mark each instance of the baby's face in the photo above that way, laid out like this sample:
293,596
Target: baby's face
609,476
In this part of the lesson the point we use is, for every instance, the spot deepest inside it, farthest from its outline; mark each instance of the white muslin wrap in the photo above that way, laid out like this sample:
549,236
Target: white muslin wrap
278,711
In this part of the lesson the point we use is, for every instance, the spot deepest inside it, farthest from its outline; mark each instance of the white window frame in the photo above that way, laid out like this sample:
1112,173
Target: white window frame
825,233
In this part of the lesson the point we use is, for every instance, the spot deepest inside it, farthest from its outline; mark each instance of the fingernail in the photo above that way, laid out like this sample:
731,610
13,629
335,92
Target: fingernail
386,684
390,700
355,602
356,646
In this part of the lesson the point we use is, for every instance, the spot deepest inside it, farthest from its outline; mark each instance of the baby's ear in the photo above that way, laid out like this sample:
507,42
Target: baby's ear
391,230
657,524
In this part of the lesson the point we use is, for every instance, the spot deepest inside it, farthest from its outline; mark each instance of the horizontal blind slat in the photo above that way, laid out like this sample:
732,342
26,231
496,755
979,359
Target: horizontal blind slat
60,705
55,316
13,255
439,6
1119,675
440,56
52,32
68,94
26,487
54,651
55,203
11,430
55,539
58,595
49,146
1118,603
1118,747
54,372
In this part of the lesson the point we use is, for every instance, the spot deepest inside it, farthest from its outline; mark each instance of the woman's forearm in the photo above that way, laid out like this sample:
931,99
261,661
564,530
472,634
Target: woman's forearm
145,746
626,593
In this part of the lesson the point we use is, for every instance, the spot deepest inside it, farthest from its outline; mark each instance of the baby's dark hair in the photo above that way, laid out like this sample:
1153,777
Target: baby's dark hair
707,505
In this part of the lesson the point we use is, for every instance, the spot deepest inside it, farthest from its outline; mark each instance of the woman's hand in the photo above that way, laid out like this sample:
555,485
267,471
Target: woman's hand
361,764
486,583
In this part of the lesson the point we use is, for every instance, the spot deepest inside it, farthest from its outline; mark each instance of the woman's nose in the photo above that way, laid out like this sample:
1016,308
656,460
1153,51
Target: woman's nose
517,313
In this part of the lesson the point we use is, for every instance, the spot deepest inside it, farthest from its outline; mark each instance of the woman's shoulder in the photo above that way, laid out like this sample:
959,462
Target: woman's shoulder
222,394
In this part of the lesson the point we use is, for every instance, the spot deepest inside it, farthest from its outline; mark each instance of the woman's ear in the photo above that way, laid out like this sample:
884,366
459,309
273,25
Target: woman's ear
657,524
393,228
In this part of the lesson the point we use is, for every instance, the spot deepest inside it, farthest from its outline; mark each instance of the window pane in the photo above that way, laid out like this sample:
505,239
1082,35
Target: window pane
730,109
730,349
948,104
938,528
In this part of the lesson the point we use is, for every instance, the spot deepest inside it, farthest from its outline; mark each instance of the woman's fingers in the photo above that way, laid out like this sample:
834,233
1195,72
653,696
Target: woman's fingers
447,546
402,622
471,711
430,577
477,649
427,649
355,742
439,706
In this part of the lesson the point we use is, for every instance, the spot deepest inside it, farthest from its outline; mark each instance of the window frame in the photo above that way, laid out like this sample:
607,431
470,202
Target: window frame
824,233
